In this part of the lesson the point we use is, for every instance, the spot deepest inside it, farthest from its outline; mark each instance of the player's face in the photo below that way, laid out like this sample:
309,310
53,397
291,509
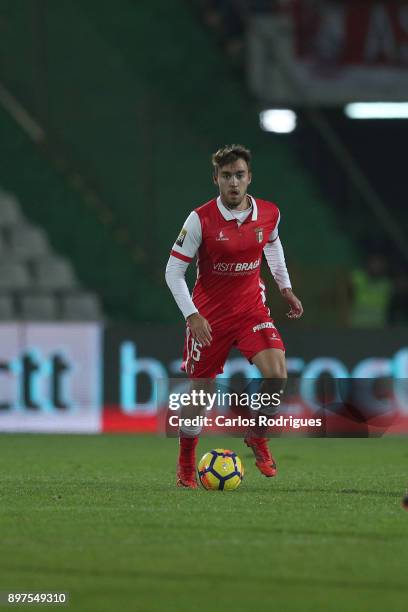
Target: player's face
233,180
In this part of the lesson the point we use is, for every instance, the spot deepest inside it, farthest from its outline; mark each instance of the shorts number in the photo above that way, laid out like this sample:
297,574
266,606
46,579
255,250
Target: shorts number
195,350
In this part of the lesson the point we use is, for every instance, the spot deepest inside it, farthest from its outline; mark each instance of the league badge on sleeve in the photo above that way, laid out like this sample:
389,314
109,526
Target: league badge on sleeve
181,237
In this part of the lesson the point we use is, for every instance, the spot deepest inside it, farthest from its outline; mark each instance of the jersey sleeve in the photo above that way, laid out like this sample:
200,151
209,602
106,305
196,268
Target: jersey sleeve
274,234
189,239
175,278
275,258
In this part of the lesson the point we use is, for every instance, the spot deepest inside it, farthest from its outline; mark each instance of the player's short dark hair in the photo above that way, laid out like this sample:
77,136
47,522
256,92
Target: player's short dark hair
229,154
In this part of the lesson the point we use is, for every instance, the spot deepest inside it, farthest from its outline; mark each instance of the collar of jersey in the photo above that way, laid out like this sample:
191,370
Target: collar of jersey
225,212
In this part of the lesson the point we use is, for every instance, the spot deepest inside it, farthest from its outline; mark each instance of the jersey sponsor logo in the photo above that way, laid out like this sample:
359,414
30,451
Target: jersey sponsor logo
181,237
259,234
242,266
221,236
266,325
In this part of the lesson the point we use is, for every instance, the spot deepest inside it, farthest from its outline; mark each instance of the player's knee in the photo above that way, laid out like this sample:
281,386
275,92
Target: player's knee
274,385
275,371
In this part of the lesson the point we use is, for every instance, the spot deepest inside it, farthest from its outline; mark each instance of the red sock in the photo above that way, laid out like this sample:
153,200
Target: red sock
186,465
187,443
187,449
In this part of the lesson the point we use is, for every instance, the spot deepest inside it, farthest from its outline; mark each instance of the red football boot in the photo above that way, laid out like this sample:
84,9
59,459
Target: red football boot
264,460
186,469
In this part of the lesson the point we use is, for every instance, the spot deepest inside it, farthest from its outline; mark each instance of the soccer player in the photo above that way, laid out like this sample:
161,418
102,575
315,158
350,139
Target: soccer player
228,235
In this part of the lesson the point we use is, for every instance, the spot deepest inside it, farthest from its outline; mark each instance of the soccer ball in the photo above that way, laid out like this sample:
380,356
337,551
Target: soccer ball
220,470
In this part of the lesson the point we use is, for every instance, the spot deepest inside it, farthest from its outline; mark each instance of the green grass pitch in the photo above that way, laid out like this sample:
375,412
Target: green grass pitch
101,517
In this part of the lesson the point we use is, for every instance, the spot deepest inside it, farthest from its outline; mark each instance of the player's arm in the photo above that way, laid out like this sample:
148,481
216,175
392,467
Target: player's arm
182,253
275,258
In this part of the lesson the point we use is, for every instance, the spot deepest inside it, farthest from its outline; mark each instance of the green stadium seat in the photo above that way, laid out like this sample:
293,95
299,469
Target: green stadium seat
10,213
38,307
55,274
28,242
14,276
81,307
7,312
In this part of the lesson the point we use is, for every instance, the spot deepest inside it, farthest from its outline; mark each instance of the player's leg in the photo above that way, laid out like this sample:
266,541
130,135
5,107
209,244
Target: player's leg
202,364
189,433
261,343
271,364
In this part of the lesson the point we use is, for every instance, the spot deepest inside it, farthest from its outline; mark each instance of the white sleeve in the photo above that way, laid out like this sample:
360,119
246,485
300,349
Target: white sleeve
276,261
175,278
189,239
182,253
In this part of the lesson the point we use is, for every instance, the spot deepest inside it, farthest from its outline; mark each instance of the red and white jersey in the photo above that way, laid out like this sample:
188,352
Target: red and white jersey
229,256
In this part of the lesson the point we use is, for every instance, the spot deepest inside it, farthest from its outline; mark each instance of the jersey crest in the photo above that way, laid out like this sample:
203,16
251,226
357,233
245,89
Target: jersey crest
259,234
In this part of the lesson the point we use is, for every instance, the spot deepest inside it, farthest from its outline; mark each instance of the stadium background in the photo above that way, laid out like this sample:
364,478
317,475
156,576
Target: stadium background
105,150
108,118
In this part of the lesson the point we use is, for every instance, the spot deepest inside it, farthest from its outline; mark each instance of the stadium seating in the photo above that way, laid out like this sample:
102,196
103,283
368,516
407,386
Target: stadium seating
10,213
6,308
39,307
14,276
28,242
3,247
55,274
35,283
81,307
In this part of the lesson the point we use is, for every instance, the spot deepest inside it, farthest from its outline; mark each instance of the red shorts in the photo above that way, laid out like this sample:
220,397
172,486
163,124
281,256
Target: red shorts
250,334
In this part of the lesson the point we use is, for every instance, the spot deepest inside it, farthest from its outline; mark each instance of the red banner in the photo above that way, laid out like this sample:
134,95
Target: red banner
373,33
329,52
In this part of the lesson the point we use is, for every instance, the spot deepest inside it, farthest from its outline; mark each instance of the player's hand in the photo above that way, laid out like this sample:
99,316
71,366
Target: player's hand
200,328
296,308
